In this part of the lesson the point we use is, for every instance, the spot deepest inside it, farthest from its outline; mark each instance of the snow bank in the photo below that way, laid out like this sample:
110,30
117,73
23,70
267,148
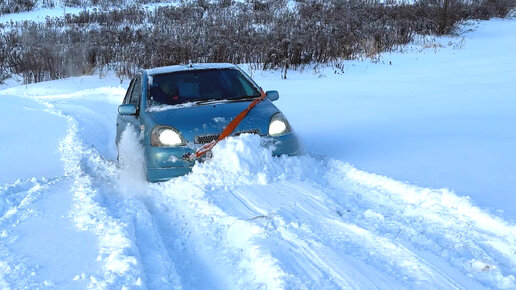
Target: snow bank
437,118
248,159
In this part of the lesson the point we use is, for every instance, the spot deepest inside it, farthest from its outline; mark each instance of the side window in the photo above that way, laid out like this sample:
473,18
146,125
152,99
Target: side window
128,93
137,91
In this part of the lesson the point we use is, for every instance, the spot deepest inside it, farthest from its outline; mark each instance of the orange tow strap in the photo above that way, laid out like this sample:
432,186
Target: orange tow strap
227,131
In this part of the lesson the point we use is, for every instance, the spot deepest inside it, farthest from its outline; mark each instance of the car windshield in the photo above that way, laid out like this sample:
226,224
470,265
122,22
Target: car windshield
200,86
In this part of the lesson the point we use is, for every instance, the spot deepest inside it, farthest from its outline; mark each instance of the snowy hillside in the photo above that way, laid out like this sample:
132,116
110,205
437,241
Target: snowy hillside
440,116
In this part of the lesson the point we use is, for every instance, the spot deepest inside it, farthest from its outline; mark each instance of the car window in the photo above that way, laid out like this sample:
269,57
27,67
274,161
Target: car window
137,91
243,82
200,85
128,93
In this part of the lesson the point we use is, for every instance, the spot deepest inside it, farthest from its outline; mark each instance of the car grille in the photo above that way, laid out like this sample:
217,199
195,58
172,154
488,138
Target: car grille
204,139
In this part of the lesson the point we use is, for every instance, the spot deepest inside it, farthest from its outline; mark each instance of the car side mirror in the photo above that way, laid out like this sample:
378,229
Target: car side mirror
127,109
272,95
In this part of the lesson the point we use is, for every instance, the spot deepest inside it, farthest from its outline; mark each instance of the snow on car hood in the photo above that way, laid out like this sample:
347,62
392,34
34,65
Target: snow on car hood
206,119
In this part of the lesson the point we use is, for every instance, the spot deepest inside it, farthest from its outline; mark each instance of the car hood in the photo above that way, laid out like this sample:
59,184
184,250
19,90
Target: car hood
207,119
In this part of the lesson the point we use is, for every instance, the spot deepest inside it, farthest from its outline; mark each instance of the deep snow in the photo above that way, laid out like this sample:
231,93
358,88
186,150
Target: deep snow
71,217
441,118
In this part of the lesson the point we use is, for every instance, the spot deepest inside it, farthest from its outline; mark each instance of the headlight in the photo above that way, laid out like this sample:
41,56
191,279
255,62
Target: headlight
278,125
163,136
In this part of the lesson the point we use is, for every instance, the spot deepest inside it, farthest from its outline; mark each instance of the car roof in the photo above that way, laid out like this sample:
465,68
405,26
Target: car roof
187,67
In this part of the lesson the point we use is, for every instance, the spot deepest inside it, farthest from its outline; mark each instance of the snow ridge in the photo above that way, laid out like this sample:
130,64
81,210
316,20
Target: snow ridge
116,250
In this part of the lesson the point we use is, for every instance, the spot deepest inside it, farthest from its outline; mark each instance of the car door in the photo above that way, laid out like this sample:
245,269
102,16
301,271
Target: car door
121,119
136,94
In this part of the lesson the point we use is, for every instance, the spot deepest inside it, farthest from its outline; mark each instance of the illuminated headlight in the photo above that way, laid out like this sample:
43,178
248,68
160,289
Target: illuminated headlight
163,136
278,125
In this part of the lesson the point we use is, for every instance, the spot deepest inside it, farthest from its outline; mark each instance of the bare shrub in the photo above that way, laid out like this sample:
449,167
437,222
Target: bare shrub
267,34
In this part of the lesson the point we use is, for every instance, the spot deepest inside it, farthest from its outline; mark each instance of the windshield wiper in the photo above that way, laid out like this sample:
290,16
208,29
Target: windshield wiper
246,97
207,101
226,100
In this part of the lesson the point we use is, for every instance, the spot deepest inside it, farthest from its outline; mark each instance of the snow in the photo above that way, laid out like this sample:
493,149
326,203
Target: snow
440,118
186,67
161,108
26,125
39,14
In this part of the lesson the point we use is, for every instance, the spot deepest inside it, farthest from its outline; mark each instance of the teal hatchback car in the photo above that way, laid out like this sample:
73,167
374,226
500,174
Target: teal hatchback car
178,109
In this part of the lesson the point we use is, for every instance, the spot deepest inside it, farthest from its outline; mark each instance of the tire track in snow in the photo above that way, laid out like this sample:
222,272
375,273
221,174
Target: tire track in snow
127,204
94,182
160,271
122,194
302,253
116,252
195,272
223,243
131,254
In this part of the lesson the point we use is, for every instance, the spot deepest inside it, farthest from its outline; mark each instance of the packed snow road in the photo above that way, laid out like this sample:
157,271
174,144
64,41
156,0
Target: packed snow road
72,217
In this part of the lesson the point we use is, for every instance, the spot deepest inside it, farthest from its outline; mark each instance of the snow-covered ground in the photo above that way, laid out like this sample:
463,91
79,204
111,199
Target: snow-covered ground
40,14
71,217
440,118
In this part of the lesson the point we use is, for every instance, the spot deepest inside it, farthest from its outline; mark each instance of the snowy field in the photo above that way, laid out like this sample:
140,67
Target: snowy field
40,14
439,118
435,117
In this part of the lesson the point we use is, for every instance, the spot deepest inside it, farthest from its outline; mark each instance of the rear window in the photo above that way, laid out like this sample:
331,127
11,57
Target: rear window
200,85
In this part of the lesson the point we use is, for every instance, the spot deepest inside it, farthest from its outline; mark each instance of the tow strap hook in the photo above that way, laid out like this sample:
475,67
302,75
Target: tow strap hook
191,157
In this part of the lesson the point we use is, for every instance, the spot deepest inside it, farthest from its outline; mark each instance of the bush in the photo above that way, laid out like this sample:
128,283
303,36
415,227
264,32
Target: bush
267,33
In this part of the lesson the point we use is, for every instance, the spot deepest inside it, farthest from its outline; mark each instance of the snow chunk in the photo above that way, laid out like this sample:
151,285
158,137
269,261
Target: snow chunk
161,108
198,66
219,120
480,266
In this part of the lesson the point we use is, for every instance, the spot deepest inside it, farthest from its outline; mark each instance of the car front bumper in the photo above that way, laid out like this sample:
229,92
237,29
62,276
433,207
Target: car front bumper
166,163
